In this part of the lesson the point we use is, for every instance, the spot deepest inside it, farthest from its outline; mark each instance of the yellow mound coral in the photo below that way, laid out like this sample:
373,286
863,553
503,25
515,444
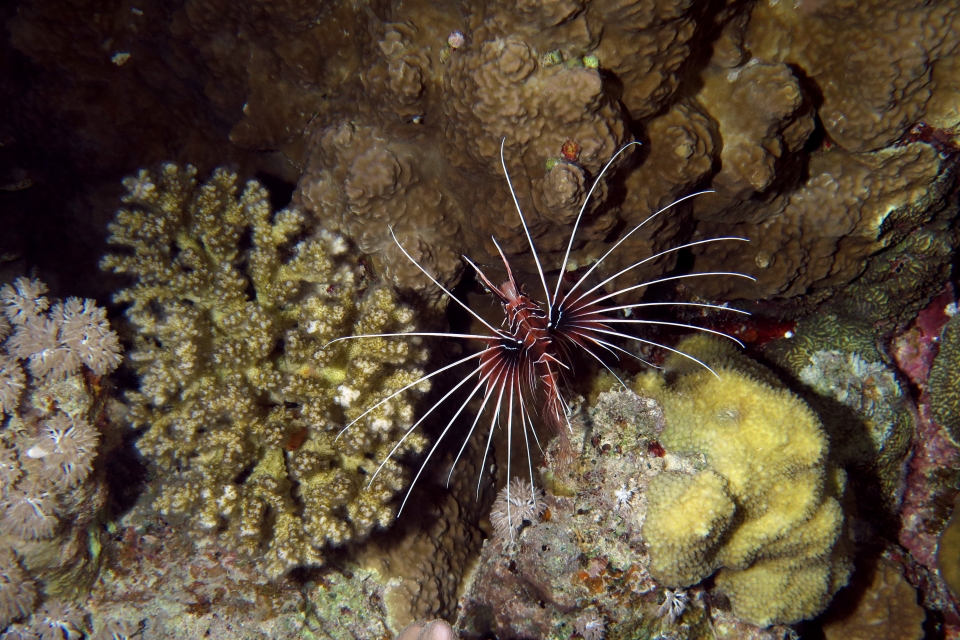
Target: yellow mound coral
240,394
764,513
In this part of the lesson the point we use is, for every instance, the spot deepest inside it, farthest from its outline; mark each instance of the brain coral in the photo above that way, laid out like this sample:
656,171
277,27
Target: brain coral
764,514
944,393
239,397
863,407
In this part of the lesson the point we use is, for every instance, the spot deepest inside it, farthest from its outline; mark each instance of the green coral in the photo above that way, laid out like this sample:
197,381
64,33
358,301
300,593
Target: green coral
241,397
819,333
943,387
901,280
857,397
764,515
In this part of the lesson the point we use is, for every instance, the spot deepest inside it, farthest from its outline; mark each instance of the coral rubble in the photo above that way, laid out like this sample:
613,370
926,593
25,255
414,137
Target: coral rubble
241,395
214,592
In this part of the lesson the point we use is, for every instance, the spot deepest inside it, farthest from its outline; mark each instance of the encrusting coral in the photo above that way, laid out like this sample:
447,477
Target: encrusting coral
53,357
884,607
859,399
944,391
240,394
764,514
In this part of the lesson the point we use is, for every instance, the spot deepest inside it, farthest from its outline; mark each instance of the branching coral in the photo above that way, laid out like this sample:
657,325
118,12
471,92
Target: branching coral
241,394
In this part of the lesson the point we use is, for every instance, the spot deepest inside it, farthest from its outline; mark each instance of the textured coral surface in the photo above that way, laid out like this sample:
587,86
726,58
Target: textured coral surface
932,476
584,563
241,395
944,394
824,129
886,609
765,511
827,131
868,413
53,415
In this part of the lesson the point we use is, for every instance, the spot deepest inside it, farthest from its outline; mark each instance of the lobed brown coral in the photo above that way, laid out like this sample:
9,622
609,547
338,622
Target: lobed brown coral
877,64
883,607
745,130
851,207
391,117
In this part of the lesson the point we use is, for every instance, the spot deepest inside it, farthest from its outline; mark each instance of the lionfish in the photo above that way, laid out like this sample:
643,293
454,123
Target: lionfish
532,351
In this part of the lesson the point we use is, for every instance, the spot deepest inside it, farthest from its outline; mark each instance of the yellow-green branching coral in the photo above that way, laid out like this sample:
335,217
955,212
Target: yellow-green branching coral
241,395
